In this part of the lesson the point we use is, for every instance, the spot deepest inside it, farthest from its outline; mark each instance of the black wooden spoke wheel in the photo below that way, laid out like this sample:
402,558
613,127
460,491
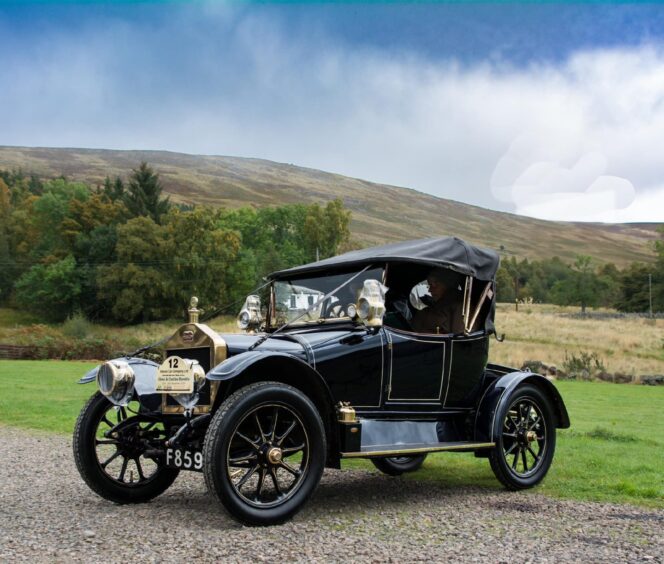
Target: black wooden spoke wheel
397,465
117,465
526,440
264,453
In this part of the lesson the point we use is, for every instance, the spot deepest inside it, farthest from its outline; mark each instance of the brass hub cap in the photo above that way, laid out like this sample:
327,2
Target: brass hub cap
274,455
531,436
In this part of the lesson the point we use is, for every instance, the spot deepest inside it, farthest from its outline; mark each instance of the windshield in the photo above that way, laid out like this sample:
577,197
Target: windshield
293,297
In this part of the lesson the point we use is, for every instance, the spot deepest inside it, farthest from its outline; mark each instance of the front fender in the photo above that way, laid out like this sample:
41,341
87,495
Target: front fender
235,365
498,394
145,371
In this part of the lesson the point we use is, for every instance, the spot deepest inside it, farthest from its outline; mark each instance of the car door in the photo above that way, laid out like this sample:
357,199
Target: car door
416,367
353,365
468,358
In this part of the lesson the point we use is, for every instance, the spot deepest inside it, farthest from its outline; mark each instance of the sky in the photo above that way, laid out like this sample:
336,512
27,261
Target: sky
547,110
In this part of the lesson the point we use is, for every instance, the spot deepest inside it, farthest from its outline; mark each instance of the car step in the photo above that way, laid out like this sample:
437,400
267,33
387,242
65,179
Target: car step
411,449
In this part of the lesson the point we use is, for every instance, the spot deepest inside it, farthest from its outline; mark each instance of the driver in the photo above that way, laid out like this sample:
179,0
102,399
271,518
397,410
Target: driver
444,314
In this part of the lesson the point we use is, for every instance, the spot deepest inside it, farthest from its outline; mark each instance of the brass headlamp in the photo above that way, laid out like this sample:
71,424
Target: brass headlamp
371,303
250,316
115,380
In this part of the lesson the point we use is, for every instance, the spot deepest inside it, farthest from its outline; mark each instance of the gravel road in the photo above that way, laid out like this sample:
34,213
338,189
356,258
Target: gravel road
48,514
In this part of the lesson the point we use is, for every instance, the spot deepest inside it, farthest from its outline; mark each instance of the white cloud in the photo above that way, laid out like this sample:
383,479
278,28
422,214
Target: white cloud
577,140
548,190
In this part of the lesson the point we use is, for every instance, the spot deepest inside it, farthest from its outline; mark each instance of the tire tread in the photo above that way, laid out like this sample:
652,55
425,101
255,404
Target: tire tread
210,445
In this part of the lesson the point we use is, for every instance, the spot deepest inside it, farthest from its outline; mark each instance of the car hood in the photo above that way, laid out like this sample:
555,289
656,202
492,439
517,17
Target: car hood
239,343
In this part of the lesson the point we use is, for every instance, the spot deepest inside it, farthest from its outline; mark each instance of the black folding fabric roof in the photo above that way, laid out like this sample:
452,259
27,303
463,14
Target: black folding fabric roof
448,252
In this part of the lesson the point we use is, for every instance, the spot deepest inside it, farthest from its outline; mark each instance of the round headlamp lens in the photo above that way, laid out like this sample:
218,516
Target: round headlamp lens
364,308
106,378
115,380
243,320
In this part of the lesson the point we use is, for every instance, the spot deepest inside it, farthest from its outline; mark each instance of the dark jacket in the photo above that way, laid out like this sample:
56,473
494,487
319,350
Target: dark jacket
443,316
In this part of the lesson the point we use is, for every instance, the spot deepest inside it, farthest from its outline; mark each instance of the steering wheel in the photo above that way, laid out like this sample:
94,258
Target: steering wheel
337,310
332,310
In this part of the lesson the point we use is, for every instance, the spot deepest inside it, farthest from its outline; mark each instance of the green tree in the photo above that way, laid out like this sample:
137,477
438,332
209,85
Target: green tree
114,190
159,267
7,266
201,257
583,288
143,195
92,250
135,285
51,291
326,229
504,286
634,291
609,279
659,245
84,216
47,214
515,272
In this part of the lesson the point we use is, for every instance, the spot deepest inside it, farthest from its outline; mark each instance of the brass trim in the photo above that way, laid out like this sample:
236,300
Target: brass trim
203,337
193,310
401,452
346,413
274,455
199,409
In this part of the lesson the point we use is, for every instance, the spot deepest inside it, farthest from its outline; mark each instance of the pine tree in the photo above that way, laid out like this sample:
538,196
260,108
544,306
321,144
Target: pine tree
143,196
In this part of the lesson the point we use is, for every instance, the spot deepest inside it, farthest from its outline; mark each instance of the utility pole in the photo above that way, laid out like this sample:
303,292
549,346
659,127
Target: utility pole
516,292
650,293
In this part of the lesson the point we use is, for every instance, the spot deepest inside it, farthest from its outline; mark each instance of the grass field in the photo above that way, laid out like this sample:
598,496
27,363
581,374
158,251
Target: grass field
544,332
613,452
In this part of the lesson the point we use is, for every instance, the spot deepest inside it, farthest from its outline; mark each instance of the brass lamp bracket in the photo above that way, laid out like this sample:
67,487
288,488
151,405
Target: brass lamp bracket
346,412
193,310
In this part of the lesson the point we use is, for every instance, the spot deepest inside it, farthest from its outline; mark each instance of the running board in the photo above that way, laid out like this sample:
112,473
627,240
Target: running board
376,451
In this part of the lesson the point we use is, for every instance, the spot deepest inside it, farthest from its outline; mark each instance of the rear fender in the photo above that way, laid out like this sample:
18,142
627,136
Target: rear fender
498,394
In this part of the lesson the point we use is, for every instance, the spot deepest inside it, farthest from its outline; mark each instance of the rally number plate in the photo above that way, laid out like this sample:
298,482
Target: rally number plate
183,459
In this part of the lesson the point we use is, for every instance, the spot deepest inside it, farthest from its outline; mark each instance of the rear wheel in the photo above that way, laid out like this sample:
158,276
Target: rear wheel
116,464
264,453
397,465
526,440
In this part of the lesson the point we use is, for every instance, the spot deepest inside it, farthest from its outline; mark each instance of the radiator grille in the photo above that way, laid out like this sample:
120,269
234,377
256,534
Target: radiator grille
202,355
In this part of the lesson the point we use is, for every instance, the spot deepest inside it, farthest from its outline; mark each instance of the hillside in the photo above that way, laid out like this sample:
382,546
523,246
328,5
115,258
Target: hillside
381,213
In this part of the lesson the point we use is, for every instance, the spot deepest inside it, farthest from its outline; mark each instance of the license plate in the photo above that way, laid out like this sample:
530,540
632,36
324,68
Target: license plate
184,459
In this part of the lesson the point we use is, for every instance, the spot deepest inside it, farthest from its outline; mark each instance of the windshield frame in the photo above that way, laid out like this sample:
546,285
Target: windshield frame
271,320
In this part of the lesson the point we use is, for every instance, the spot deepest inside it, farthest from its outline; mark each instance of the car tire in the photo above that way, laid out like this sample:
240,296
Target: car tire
106,472
264,453
397,465
526,439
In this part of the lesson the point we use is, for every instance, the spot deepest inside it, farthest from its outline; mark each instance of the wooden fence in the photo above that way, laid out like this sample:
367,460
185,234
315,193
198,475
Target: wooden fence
17,352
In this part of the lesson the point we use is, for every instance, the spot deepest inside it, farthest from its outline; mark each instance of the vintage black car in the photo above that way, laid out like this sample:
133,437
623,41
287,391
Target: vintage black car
330,367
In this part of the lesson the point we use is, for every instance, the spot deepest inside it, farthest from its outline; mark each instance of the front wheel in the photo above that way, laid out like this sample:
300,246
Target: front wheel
264,453
397,465
113,452
526,440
